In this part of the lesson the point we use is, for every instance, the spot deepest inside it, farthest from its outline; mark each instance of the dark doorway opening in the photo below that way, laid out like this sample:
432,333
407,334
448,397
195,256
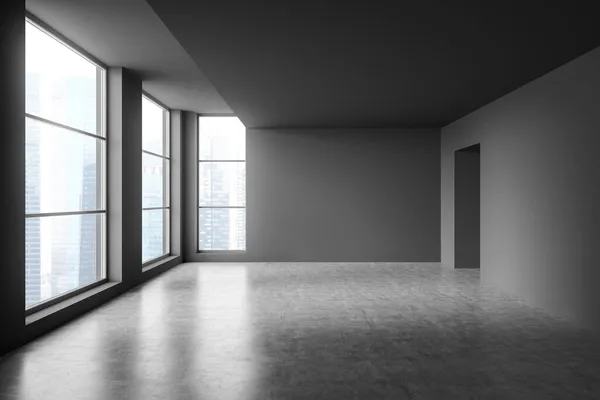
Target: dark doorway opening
467,207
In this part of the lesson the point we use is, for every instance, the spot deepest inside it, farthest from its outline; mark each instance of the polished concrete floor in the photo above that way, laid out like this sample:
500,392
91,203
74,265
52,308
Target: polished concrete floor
310,331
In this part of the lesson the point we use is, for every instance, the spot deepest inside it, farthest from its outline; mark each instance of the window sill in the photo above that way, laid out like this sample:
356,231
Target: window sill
50,310
158,263
221,251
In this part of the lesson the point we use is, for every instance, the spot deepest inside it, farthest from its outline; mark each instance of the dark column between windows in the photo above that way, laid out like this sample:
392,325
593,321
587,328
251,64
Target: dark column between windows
12,174
124,176
190,183
176,182
124,193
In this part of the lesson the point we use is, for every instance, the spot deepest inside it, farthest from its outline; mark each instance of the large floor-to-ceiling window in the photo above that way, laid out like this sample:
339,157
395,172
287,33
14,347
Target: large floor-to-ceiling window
155,180
65,168
222,184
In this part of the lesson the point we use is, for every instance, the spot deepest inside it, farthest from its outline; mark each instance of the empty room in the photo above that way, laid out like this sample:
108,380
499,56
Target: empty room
299,200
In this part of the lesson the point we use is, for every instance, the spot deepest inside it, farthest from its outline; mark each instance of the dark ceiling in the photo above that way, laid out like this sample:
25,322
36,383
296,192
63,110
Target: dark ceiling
128,33
422,63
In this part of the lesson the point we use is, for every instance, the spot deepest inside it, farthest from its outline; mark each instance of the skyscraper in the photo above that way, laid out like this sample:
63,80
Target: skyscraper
32,196
222,189
88,255
74,101
153,220
60,252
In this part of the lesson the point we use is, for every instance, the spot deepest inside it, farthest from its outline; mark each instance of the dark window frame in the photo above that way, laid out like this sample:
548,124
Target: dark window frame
102,167
198,207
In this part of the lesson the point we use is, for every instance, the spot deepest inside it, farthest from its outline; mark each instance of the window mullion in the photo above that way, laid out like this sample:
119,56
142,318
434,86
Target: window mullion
154,154
64,213
221,161
63,126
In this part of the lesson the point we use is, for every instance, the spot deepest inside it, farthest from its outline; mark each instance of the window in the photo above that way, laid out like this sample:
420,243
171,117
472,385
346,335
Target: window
222,184
155,181
64,169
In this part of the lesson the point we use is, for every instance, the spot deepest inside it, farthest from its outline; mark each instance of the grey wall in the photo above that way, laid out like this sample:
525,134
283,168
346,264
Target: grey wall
340,195
540,190
12,174
466,207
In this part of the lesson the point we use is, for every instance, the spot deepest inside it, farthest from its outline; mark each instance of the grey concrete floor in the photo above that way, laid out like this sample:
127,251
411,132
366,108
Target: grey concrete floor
310,331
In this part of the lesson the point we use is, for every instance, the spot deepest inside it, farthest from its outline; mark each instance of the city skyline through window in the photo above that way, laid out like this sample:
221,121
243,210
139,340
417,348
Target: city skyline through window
155,180
221,184
64,169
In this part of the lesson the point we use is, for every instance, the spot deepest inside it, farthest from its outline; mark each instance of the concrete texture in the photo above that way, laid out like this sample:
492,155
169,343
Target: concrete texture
540,174
12,174
336,195
310,331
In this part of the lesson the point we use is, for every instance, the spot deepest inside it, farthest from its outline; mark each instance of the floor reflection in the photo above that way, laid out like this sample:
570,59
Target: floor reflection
154,352
309,331
225,359
64,365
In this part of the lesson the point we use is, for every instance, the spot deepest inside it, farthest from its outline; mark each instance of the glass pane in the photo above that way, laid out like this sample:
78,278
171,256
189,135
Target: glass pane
222,184
222,228
60,84
153,127
222,138
155,172
61,254
153,234
63,170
